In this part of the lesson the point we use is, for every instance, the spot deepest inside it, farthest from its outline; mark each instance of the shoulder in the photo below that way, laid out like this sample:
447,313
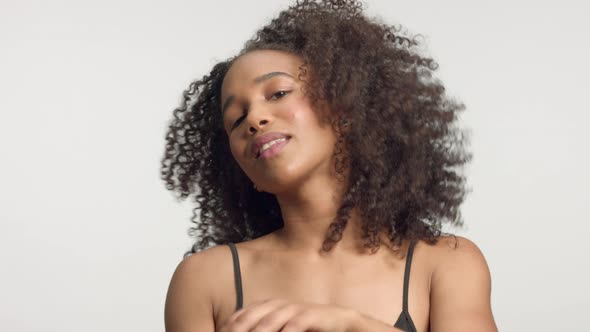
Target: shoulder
207,256
191,298
460,285
455,257
449,253
196,269
205,271
455,251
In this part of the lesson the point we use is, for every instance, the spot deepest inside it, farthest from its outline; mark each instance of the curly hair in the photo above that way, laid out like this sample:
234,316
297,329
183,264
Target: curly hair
397,133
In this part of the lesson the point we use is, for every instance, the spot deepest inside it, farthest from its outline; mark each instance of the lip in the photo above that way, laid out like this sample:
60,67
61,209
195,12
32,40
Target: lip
262,139
274,150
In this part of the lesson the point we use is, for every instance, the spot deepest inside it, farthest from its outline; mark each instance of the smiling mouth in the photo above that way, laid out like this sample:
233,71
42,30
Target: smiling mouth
271,147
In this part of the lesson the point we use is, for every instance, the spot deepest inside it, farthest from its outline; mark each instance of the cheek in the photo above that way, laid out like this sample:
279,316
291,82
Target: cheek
305,121
233,150
300,116
237,151
291,115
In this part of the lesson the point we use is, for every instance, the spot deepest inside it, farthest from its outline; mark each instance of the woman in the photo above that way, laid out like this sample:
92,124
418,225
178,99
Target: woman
325,138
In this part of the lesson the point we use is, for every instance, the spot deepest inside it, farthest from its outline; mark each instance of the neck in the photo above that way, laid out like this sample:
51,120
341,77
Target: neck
307,217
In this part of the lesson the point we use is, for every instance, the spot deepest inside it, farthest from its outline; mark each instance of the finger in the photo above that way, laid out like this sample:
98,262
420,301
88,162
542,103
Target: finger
255,306
276,319
301,322
246,318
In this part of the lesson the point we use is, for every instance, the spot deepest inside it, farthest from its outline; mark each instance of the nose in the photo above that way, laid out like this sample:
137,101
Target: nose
258,116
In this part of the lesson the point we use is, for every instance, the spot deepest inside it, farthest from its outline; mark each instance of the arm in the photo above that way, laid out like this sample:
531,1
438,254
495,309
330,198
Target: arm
460,289
188,303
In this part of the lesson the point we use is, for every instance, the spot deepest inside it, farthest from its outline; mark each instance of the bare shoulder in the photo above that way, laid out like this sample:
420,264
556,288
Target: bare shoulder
456,257
199,269
190,302
460,286
205,258
448,253
448,249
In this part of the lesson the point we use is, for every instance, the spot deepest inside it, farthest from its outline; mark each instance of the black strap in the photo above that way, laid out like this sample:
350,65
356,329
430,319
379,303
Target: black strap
407,274
237,275
404,321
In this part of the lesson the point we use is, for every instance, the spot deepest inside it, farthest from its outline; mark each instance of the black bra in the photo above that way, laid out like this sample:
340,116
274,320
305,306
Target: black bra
404,321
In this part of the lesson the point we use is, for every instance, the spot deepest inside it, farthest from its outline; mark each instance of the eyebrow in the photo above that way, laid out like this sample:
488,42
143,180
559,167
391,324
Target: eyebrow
230,99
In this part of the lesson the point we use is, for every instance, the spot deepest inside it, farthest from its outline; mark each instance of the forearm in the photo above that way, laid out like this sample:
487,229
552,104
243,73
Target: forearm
363,323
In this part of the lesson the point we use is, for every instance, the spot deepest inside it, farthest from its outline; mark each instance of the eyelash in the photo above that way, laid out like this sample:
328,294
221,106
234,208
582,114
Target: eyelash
239,120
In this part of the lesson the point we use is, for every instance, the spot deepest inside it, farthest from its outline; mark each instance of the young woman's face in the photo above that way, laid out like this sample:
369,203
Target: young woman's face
261,94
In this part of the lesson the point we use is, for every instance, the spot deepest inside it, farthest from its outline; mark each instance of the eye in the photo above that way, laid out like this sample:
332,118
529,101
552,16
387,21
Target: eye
280,94
238,121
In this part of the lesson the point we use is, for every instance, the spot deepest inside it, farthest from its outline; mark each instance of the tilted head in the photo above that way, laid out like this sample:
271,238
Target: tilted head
356,98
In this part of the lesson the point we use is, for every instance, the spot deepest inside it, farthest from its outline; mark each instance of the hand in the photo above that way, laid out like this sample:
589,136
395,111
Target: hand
285,316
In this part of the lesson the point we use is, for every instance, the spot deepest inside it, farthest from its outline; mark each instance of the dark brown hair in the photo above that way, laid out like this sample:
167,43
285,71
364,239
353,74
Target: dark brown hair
397,132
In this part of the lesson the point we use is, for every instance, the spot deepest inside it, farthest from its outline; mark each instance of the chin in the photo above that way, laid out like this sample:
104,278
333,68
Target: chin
288,175
276,187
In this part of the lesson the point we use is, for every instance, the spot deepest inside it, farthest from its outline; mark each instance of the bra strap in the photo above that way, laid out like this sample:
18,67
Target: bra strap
407,274
237,275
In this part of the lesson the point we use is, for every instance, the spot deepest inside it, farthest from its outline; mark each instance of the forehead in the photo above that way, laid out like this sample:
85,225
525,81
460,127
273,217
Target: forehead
256,63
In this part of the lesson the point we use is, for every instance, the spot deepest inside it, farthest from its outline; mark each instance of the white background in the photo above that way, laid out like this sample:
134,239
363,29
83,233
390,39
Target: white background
90,237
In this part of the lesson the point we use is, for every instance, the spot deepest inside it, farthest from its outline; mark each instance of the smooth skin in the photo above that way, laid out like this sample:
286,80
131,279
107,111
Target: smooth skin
288,284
